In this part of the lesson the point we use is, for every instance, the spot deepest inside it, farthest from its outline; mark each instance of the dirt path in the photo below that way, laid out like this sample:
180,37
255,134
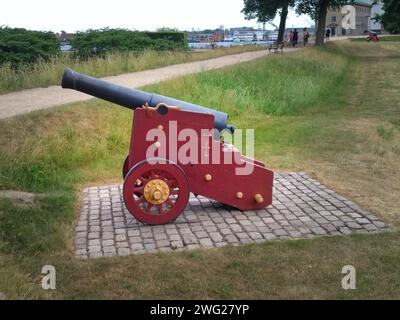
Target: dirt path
20,102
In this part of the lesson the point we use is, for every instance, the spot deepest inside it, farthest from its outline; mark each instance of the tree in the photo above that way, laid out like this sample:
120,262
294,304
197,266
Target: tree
22,47
390,17
266,10
318,10
101,42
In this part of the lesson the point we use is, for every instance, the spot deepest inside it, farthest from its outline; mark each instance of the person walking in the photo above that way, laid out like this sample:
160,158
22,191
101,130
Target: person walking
306,36
328,33
212,43
295,38
290,38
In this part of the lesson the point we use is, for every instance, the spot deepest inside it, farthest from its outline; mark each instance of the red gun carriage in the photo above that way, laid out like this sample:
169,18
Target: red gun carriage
157,186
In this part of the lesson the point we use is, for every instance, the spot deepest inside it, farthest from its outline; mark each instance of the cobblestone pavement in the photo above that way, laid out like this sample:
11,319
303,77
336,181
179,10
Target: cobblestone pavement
302,208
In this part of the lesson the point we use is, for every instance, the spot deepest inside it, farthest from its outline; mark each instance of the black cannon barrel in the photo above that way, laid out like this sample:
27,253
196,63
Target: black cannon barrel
132,98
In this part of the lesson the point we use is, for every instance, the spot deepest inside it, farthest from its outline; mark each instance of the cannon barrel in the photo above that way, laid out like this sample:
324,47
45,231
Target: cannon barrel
132,98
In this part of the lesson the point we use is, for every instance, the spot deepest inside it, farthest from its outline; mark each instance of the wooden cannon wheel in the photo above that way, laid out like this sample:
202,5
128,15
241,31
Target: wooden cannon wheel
125,167
156,193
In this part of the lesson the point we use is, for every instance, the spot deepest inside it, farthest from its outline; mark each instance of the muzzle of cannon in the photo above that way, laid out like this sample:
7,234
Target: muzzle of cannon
174,151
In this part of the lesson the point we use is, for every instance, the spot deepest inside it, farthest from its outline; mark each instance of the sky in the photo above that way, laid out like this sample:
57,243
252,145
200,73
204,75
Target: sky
78,15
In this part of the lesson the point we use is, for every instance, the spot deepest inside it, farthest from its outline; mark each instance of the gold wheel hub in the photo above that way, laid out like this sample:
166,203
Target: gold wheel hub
156,191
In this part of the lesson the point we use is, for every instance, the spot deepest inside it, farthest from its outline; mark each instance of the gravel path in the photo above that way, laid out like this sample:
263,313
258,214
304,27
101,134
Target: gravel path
20,102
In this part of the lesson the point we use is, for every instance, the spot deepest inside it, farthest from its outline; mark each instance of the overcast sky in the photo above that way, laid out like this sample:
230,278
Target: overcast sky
75,15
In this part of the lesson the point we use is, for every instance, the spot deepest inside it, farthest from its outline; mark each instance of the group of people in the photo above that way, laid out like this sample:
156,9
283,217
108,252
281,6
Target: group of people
371,36
293,37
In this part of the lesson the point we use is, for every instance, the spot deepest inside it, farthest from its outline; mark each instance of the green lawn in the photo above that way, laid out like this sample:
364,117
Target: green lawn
333,113
389,38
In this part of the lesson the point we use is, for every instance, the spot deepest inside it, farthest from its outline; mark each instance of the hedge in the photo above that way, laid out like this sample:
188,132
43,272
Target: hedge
20,46
101,41
180,38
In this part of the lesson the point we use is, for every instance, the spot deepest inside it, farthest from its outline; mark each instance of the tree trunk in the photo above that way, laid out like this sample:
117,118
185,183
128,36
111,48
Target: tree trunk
322,11
282,24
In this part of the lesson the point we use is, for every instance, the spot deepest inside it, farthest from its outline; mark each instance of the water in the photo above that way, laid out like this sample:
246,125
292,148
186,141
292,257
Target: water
207,45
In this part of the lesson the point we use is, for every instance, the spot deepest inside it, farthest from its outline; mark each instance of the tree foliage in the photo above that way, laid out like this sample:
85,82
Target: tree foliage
20,46
266,10
102,41
312,7
262,10
318,9
391,16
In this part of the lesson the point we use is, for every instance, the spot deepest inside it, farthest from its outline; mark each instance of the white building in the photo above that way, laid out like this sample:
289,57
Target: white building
377,9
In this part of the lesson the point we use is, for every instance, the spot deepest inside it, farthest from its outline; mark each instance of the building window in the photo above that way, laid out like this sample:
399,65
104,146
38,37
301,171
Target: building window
333,18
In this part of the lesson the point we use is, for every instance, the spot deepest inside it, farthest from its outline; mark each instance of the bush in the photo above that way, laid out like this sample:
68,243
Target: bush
179,38
102,41
20,46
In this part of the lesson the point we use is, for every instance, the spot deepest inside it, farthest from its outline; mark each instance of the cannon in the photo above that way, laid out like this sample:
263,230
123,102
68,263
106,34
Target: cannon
176,149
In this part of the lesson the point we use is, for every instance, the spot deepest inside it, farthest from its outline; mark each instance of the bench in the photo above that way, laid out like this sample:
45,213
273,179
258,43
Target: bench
276,47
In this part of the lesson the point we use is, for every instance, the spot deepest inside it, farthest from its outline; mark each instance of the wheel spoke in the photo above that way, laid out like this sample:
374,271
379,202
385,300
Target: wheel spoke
153,174
171,183
160,209
138,189
149,207
170,202
143,180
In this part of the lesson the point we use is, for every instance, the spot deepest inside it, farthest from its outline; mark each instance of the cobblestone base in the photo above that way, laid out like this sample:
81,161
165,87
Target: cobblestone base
302,208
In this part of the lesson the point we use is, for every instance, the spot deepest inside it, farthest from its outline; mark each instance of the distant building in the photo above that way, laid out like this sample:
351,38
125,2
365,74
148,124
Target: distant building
335,16
218,35
200,36
245,34
64,38
272,36
241,34
241,30
377,9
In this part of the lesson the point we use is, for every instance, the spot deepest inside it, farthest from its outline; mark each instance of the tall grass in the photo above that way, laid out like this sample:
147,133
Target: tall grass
272,86
57,163
46,73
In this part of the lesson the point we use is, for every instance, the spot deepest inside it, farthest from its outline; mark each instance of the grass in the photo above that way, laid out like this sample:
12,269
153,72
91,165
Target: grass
277,86
43,74
390,38
384,38
315,110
